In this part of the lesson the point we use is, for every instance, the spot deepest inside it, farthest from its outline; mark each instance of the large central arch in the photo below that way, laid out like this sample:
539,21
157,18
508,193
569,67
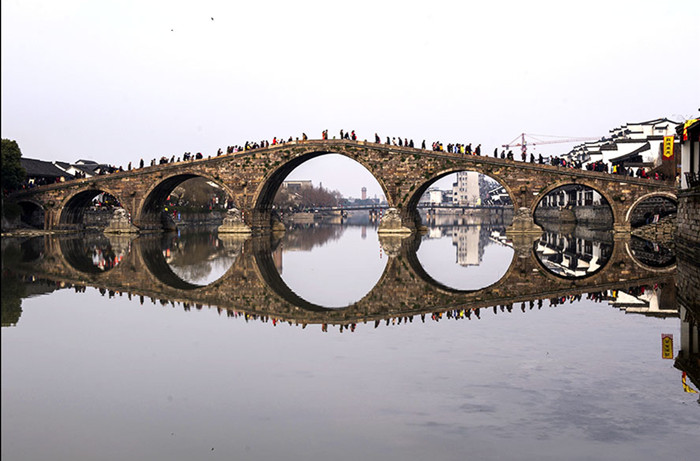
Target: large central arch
265,193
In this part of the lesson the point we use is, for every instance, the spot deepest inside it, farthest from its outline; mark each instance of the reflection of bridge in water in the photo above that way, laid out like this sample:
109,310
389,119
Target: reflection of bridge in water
252,287
253,284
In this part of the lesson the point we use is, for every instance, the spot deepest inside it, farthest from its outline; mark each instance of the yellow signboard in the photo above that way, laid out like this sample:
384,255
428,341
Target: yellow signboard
667,346
685,127
668,147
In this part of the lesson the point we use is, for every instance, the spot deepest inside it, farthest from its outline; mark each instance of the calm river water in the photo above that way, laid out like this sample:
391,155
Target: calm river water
146,349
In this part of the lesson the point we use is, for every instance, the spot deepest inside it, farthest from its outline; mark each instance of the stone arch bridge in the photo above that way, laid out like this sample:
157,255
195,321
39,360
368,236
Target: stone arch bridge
253,177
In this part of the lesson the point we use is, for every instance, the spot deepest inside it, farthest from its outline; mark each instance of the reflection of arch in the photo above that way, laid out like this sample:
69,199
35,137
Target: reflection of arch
549,273
670,268
75,205
267,271
32,249
667,195
417,267
156,195
75,253
160,269
151,247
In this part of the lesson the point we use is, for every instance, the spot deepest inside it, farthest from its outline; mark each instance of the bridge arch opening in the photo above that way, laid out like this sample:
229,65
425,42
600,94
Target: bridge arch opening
89,209
466,214
328,183
32,214
329,204
185,201
652,208
573,204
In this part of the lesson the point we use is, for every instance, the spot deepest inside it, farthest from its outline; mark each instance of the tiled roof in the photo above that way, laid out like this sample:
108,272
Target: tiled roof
41,169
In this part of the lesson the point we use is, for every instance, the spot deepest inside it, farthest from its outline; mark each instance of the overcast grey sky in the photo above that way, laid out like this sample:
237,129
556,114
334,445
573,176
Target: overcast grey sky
116,81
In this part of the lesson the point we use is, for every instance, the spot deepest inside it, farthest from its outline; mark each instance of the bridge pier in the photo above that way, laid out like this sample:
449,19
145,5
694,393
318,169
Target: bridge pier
524,224
233,223
396,222
622,228
120,223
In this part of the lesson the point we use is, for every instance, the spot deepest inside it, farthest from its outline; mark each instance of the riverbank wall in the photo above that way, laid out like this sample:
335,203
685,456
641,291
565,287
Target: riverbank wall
591,215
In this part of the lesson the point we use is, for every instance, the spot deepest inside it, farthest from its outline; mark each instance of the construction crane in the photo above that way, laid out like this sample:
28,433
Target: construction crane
536,141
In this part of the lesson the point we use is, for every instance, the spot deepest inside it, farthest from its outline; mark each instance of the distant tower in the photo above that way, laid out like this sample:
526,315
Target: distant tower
364,193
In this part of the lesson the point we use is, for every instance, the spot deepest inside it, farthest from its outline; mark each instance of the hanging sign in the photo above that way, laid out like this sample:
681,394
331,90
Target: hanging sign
685,127
666,346
668,147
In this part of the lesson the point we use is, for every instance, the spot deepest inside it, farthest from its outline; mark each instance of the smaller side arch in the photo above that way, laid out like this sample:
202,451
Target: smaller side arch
617,219
73,206
664,194
147,211
33,213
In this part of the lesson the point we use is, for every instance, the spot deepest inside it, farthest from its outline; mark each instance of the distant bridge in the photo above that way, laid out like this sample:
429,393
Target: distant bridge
252,179
423,206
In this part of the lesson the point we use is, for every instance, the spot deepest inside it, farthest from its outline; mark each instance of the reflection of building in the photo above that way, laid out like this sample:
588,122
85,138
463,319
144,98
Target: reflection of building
277,258
470,240
470,249
659,302
570,256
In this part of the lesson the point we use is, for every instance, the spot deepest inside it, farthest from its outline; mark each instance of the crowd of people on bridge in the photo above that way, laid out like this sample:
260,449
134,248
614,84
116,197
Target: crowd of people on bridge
436,146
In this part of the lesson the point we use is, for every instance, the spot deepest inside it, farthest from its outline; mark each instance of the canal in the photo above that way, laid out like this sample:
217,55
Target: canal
331,342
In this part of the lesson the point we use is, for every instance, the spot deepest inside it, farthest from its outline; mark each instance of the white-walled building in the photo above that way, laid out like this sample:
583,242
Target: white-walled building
465,192
433,196
634,144
689,134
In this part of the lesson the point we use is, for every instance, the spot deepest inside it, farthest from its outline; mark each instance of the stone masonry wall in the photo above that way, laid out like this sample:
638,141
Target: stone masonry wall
688,248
